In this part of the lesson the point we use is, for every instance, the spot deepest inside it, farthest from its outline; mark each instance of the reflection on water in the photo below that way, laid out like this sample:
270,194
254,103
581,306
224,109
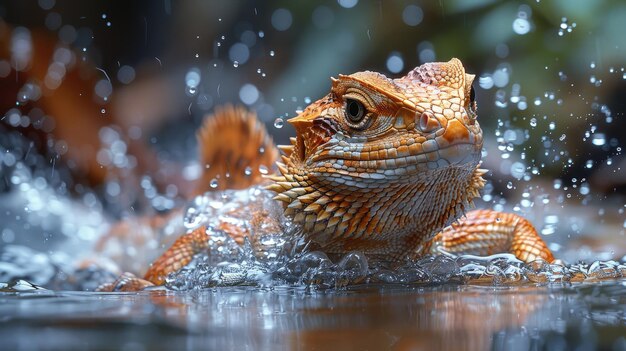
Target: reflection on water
363,317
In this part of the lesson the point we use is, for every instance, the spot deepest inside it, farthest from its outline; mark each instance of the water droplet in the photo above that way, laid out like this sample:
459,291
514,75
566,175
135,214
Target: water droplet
126,74
247,171
485,81
348,3
500,99
263,169
235,64
598,139
249,94
272,53
395,63
193,77
103,111
584,189
557,184
533,122
521,26
279,122
103,88
281,19
412,15
213,184
562,137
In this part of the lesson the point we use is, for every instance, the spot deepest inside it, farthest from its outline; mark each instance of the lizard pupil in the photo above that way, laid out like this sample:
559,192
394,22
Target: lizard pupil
355,110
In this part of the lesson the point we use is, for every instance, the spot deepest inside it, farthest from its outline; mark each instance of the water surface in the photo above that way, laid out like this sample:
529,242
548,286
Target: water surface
449,316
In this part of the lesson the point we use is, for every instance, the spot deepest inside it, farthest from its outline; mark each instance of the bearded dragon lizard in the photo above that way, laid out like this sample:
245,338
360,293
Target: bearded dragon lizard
384,166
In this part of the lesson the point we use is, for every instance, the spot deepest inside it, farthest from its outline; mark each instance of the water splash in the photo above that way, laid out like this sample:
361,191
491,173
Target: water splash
279,258
315,270
269,251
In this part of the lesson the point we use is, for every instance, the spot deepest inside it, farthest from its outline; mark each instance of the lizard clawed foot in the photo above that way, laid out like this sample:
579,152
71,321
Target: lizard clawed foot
126,282
488,232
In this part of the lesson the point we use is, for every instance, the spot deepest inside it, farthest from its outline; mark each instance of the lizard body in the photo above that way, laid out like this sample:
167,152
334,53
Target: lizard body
379,165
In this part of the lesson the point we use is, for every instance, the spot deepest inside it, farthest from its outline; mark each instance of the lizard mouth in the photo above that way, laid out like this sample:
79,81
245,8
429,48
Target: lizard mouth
311,137
454,153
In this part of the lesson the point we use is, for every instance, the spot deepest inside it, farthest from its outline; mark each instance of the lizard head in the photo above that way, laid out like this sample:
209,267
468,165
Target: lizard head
376,156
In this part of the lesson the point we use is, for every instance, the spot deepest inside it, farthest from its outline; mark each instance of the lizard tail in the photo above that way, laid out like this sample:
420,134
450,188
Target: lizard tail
235,150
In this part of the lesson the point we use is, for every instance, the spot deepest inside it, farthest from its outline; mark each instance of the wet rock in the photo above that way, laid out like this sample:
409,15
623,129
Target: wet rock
20,285
21,262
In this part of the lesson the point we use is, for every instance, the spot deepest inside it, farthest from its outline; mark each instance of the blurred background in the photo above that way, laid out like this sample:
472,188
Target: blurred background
100,101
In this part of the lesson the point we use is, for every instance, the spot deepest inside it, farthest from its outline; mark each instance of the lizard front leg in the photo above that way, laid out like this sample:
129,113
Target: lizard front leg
175,258
180,254
488,232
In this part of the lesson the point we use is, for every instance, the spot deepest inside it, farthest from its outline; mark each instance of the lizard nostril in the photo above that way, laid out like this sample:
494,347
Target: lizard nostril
427,122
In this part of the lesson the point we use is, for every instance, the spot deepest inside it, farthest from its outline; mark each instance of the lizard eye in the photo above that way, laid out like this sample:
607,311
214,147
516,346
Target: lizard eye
355,111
